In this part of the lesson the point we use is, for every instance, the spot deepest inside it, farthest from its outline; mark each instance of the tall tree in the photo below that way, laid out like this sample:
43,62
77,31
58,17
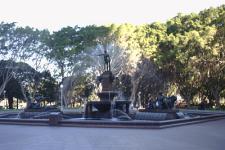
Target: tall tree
16,44
62,45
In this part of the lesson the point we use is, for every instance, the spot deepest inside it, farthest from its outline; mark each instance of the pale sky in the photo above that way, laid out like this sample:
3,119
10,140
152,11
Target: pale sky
55,14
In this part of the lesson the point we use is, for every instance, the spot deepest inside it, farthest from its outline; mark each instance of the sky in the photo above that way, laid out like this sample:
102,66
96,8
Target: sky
55,14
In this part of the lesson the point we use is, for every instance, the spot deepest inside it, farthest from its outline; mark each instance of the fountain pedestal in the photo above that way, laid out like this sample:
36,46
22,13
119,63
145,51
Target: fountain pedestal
103,108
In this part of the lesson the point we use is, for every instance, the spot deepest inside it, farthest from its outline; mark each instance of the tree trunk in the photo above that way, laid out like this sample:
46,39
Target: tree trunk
10,101
73,104
17,103
217,101
188,104
188,101
217,98
62,72
133,98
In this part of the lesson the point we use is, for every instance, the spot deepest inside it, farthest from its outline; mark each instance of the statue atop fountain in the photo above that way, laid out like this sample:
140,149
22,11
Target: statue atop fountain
106,79
107,61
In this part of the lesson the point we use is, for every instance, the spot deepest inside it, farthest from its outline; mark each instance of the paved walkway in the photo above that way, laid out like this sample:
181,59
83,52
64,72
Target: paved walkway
204,136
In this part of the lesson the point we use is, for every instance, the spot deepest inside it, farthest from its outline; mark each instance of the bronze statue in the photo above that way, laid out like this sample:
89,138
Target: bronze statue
107,60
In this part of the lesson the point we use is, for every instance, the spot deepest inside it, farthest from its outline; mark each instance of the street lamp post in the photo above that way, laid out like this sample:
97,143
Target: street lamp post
5,99
61,91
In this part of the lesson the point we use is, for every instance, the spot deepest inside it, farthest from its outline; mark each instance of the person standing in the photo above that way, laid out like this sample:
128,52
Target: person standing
159,101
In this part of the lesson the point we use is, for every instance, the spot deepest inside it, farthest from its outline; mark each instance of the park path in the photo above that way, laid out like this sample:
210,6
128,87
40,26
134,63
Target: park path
202,136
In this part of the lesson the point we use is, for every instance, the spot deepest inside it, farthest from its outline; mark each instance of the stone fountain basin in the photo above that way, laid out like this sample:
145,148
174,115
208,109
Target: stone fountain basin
201,116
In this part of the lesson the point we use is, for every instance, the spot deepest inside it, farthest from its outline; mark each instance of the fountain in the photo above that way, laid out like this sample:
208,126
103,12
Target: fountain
108,112
104,108
35,110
